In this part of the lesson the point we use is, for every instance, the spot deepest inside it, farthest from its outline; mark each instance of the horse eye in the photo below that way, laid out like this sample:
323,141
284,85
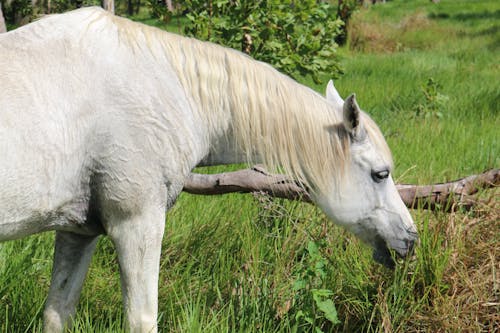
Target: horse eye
379,176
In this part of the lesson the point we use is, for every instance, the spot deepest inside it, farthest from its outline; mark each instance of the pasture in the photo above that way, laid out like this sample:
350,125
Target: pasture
429,75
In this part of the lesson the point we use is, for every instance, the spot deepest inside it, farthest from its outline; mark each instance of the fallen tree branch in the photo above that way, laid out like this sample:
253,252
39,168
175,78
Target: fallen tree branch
449,195
257,179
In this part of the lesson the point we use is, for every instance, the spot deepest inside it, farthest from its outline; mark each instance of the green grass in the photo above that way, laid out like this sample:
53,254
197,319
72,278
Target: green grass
240,263
456,43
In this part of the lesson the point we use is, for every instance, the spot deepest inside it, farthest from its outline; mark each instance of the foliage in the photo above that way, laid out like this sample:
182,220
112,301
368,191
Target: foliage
434,101
19,12
159,10
16,10
313,297
345,10
296,37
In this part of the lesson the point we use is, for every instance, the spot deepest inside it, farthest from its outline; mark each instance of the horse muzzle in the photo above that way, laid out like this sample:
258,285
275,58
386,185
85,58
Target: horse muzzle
403,248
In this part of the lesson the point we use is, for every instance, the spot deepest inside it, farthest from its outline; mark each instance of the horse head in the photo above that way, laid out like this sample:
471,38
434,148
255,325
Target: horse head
368,204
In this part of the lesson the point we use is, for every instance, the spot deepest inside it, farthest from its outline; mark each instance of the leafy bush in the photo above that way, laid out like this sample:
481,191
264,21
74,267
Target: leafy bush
434,101
20,12
15,11
316,307
297,37
159,10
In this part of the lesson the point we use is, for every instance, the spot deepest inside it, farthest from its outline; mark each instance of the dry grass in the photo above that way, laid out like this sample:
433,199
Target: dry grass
373,36
471,301
466,297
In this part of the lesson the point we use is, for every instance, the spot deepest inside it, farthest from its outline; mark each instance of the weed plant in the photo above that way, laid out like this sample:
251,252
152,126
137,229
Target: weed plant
242,263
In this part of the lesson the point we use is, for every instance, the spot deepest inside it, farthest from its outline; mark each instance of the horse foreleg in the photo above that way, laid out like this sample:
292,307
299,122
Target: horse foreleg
138,244
71,261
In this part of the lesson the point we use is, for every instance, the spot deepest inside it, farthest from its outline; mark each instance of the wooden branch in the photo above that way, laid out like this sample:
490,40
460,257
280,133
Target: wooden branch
449,195
256,179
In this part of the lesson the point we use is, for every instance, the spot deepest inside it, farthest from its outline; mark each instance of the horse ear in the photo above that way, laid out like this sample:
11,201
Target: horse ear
352,117
333,96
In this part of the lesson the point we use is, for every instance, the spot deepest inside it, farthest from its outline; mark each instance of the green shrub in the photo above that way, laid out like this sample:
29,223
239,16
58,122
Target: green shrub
434,101
314,300
159,10
297,37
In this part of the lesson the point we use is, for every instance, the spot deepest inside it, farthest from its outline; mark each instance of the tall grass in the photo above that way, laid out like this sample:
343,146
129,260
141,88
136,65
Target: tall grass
242,263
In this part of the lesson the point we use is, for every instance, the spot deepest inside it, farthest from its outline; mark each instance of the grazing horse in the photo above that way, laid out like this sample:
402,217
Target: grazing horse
102,119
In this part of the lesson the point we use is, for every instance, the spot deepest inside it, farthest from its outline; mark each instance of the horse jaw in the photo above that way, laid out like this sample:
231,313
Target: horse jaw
380,220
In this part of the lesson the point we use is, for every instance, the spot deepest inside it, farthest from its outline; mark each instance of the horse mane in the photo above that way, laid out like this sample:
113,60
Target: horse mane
287,126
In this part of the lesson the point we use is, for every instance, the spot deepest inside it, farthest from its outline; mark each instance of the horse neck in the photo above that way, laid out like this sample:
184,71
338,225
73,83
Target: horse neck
253,113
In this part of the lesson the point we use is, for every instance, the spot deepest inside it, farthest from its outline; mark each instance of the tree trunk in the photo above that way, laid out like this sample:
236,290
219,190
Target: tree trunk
446,196
3,27
344,12
170,6
137,7
130,7
109,5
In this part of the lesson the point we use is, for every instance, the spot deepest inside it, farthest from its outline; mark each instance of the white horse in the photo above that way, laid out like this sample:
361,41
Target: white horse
102,119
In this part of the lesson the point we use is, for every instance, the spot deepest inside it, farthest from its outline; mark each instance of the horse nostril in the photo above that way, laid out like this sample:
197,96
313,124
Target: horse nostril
410,245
